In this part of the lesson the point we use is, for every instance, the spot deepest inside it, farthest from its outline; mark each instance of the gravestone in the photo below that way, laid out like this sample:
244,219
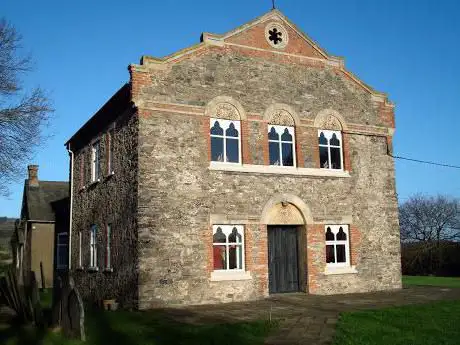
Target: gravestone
68,309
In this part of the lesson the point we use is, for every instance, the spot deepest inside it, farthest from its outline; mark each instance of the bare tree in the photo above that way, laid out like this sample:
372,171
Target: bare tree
432,223
23,114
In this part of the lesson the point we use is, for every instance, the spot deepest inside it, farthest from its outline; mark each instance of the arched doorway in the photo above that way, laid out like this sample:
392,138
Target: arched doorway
286,217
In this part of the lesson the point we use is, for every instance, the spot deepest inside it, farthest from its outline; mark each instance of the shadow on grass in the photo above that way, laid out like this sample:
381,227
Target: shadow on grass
16,333
157,328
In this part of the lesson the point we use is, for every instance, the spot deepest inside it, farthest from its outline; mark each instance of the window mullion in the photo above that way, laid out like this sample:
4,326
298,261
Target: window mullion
335,252
225,147
281,152
227,256
237,247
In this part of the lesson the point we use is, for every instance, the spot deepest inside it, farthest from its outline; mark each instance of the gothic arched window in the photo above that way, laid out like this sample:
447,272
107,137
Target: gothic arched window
330,149
225,140
337,246
281,145
228,247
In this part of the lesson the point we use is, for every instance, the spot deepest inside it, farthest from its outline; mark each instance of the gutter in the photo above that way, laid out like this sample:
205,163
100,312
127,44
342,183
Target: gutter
71,205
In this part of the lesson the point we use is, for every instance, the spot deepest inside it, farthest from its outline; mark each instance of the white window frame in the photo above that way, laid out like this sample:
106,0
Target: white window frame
335,229
110,135
108,246
328,135
62,245
93,247
225,124
80,263
96,161
280,130
227,230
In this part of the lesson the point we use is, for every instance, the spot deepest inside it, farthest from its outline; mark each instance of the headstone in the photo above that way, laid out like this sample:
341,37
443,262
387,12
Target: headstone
72,310
56,313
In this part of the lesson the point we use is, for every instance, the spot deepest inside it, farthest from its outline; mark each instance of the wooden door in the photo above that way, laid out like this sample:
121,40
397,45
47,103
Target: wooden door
283,261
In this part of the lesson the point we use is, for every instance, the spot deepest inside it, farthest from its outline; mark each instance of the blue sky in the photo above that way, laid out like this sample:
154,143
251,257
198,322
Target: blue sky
409,49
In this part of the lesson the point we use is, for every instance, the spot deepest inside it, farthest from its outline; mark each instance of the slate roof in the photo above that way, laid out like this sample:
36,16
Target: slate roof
39,199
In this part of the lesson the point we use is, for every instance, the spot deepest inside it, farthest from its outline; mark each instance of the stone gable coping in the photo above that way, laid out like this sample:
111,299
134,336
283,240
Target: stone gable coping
208,40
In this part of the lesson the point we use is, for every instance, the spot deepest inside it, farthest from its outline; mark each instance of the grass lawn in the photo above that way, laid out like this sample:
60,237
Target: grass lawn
46,298
453,282
427,324
144,328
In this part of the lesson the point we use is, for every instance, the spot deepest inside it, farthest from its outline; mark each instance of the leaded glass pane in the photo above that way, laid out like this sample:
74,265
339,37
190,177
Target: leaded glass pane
219,236
288,158
330,256
220,258
272,135
341,235
322,139
341,253
329,235
336,162
274,153
217,129
334,141
286,136
232,150
231,131
323,157
235,257
234,237
217,149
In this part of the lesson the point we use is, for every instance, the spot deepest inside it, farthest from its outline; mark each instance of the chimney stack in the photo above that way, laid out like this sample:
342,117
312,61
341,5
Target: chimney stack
33,175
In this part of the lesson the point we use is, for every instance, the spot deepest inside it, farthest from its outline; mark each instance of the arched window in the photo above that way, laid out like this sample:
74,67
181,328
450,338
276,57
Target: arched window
228,247
281,145
337,246
330,149
225,140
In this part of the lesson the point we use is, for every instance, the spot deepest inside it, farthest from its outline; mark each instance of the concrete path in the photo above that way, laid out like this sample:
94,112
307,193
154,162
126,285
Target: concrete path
307,319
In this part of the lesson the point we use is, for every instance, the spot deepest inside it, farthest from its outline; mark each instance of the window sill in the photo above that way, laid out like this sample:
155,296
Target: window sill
108,270
340,270
217,276
93,269
277,170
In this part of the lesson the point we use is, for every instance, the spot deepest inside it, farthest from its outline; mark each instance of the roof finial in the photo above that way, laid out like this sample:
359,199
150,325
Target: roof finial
273,5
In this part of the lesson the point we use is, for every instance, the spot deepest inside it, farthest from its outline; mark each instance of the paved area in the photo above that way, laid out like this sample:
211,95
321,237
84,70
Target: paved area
307,319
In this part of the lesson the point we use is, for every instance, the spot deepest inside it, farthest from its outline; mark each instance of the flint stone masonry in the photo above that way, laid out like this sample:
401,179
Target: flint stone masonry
257,83
164,197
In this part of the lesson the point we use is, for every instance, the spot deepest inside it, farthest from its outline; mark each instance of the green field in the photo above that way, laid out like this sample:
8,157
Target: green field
143,328
429,324
453,282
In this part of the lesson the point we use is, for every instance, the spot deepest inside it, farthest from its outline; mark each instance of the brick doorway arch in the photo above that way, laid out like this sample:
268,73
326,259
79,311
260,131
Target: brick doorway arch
286,217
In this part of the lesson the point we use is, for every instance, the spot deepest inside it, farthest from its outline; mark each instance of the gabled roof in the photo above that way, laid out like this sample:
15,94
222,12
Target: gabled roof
38,200
104,115
315,51
273,15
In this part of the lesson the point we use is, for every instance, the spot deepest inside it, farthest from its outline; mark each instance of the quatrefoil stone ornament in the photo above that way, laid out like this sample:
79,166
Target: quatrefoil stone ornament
276,35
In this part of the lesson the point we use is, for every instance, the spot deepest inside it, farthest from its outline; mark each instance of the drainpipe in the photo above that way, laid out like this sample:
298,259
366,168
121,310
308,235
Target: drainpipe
71,205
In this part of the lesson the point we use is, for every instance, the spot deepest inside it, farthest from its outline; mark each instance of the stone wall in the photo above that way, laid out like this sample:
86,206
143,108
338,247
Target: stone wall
180,197
113,201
